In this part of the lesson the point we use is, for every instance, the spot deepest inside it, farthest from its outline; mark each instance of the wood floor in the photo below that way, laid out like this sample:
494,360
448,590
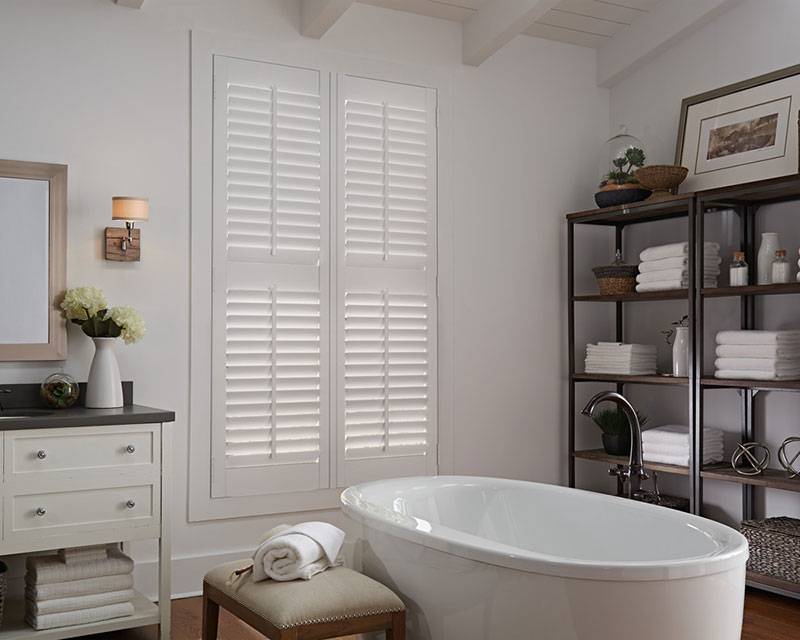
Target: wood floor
766,617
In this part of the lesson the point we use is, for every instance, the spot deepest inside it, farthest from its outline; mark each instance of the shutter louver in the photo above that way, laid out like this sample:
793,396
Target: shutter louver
386,381
268,300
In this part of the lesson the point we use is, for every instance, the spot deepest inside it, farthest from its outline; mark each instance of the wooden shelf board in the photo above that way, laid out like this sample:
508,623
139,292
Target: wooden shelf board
674,294
600,455
609,377
15,628
766,385
758,192
753,290
771,478
776,585
662,209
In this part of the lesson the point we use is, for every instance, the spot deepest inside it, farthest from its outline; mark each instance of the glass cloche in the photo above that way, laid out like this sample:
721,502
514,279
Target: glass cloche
60,391
620,157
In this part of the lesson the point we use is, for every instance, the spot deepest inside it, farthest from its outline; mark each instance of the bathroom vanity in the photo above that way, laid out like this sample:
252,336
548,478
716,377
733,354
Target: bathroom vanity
81,477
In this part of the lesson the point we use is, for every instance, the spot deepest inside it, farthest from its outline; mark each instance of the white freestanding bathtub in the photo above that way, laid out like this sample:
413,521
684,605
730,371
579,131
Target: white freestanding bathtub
491,559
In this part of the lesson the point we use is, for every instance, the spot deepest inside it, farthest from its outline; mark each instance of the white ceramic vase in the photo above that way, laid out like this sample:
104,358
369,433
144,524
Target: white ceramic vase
680,353
104,388
766,254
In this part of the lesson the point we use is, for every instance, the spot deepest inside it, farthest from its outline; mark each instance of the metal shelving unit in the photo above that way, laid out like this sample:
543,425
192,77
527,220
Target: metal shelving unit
745,200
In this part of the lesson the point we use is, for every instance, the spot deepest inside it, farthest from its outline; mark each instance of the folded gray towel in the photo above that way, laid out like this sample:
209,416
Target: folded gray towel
68,618
49,569
34,607
74,588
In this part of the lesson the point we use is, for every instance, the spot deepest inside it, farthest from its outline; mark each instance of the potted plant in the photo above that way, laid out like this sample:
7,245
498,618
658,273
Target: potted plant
620,184
616,430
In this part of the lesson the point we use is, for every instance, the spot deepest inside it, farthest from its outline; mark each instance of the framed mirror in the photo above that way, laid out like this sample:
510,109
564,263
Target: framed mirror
33,243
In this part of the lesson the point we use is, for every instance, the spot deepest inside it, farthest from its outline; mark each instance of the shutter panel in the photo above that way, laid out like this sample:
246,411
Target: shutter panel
386,299
270,280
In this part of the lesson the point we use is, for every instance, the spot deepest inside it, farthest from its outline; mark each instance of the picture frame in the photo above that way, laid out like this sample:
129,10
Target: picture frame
742,132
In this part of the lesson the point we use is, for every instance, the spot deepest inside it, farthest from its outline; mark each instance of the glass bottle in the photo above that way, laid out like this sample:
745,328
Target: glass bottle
781,270
739,270
766,254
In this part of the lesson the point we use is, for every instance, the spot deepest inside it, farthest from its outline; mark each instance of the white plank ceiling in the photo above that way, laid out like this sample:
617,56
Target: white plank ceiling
588,23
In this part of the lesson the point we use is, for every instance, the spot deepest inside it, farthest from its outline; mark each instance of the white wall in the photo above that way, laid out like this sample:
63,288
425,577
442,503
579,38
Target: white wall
105,90
751,39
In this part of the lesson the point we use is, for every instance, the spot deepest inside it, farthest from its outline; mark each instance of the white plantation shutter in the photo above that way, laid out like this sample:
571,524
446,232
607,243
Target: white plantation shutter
270,279
386,284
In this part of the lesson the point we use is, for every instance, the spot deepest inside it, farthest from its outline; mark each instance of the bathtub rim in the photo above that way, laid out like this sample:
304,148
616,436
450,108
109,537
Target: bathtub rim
732,555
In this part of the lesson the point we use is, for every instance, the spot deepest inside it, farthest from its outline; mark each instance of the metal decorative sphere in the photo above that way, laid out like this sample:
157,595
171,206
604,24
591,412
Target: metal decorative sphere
784,459
746,455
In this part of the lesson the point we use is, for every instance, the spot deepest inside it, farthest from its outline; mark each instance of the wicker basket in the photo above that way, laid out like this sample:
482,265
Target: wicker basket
774,547
661,178
616,278
3,588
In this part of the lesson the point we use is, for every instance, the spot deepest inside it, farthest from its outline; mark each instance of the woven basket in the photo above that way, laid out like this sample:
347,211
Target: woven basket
661,178
3,588
616,279
774,547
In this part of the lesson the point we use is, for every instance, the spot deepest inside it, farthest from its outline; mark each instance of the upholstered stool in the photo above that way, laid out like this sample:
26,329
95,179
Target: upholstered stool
336,602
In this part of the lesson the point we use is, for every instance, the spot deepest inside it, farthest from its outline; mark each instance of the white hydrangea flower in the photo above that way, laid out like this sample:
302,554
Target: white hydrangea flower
130,321
83,302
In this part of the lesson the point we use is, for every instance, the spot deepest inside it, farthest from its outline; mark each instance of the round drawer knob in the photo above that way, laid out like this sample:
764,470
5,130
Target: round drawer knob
130,448
41,454
41,511
130,504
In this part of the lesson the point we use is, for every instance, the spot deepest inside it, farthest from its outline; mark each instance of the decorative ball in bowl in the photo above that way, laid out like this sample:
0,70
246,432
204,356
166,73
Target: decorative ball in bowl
661,178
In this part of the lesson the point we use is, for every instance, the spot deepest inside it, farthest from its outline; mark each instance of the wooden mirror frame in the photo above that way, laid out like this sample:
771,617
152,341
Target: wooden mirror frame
56,175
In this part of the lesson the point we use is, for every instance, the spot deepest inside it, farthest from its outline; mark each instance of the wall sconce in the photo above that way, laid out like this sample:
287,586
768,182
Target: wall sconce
124,245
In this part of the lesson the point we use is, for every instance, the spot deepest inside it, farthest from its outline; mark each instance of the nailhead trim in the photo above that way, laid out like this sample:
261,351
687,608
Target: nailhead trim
232,594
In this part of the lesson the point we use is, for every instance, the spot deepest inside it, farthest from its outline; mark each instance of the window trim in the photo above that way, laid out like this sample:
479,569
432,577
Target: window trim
204,45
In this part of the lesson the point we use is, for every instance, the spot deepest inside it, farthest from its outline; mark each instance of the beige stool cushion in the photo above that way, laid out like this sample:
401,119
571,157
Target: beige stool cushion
335,594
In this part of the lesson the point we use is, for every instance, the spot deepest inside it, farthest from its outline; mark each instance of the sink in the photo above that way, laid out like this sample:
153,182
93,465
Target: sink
16,414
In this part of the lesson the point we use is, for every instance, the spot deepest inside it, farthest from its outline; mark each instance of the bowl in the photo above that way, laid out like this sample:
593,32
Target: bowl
661,178
614,195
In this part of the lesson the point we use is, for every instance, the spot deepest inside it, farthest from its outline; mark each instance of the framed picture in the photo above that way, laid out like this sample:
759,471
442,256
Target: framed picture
740,133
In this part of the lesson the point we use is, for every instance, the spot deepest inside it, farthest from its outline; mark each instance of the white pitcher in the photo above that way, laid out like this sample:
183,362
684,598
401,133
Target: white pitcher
680,353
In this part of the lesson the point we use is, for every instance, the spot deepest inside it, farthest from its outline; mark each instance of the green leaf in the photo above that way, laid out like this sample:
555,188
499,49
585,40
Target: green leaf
78,321
114,330
635,156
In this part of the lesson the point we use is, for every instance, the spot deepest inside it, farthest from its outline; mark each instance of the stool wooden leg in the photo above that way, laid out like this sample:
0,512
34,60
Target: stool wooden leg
210,617
398,630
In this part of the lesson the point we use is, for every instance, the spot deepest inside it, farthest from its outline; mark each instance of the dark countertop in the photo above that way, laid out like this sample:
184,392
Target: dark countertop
82,417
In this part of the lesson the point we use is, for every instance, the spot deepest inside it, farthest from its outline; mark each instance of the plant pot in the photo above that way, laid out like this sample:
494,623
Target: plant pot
617,445
613,195
104,388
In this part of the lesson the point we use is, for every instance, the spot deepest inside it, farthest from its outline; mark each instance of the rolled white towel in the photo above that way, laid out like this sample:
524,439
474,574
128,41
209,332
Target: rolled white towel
37,607
677,249
765,351
735,374
84,616
47,569
781,338
709,260
759,364
74,588
298,552
677,434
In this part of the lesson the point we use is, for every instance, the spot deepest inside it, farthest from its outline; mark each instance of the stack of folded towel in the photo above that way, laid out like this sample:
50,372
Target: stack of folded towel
620,358
670,445
667,267
78,586
758,355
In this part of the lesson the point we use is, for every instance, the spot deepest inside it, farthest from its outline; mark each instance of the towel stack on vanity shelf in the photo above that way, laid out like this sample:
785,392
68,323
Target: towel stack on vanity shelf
78,586
758,355
621,359
670,445
666,267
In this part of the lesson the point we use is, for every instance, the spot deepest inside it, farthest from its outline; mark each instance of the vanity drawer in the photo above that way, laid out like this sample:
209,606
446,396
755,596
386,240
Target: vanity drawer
82,449
38,515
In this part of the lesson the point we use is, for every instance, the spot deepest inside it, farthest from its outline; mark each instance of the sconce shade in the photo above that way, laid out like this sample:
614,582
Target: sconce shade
129,209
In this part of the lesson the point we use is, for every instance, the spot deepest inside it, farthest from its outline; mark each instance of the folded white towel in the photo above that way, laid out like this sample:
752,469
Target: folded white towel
85,616
75,588
669,285
781,338
678,249
759,364
623,346
714,446
81,554
766,351
37,607
48,569
681,460
301,551
678,262
736,374
673,274
677,434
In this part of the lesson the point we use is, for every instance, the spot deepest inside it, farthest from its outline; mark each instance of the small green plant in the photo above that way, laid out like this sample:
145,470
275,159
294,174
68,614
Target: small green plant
615,423
624,171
